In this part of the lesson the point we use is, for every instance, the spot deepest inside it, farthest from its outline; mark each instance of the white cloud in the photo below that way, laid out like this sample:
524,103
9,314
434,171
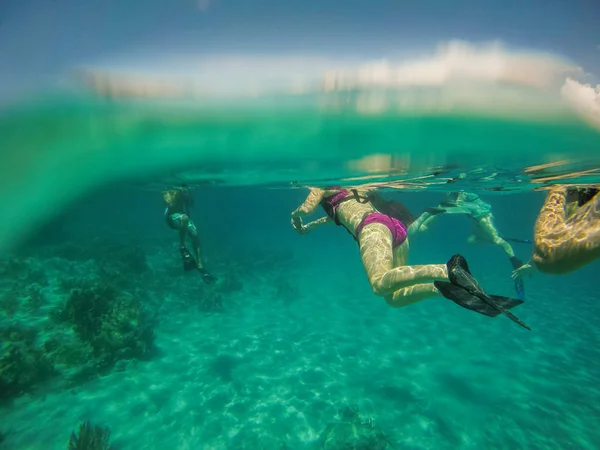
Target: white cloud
454,62
222,75
584,98
458,62
483,79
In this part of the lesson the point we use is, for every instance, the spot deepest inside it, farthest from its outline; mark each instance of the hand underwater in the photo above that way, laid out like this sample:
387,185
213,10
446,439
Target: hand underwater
297,224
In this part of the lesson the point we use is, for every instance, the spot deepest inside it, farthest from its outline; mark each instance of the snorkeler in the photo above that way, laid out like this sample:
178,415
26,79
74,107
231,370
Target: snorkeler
472,206
383,244
566,233
177,215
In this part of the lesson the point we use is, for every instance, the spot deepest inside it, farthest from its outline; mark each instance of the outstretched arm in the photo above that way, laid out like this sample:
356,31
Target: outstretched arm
308,207
311,226
311,203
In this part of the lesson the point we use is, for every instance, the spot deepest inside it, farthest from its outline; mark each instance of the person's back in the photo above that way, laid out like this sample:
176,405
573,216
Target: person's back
567,230
175,200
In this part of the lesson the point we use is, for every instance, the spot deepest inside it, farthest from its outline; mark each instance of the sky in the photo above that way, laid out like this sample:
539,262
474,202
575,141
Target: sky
42,38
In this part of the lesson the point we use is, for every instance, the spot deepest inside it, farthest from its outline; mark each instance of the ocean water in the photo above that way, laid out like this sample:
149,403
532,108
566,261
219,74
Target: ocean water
291,349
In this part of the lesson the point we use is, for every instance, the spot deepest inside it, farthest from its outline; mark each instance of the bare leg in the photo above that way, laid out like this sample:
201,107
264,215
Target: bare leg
183,226
193,232
486,225
378,260
413,294
423,222
199,262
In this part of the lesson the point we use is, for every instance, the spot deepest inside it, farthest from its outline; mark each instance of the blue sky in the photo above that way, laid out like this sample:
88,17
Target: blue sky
42,38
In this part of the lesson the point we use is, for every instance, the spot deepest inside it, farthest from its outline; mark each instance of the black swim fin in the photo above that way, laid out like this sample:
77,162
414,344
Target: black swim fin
464,290
188,261
207,277
463,298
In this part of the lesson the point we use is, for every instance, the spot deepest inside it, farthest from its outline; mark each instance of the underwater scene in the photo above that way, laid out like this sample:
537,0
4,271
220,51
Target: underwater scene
277,339
248,226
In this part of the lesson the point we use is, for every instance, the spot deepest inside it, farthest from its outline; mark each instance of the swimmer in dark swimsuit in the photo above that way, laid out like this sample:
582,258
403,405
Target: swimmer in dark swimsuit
384,249
567,231
177,215
484,230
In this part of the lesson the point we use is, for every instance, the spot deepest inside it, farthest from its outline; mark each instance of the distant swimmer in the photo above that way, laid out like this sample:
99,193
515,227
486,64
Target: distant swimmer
380,228
177,215
480,212
566,233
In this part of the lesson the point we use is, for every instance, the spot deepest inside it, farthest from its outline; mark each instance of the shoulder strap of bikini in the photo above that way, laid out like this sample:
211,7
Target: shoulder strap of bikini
359,198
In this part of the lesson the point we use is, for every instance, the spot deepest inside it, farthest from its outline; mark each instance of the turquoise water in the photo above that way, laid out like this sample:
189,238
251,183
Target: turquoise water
292,338
58,147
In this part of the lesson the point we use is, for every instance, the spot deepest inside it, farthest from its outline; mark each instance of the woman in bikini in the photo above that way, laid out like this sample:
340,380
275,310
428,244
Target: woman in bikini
383,245
177,215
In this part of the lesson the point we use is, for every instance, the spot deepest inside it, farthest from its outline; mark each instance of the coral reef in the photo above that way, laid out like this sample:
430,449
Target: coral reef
9,304
22,365
70,329
70,312
131,259
90,437
34,297
112,322
19,269
31,294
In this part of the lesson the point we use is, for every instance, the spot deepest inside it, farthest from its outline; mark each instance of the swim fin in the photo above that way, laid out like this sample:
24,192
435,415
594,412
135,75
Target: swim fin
189,263
188,260
207,277
463,298
464,290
